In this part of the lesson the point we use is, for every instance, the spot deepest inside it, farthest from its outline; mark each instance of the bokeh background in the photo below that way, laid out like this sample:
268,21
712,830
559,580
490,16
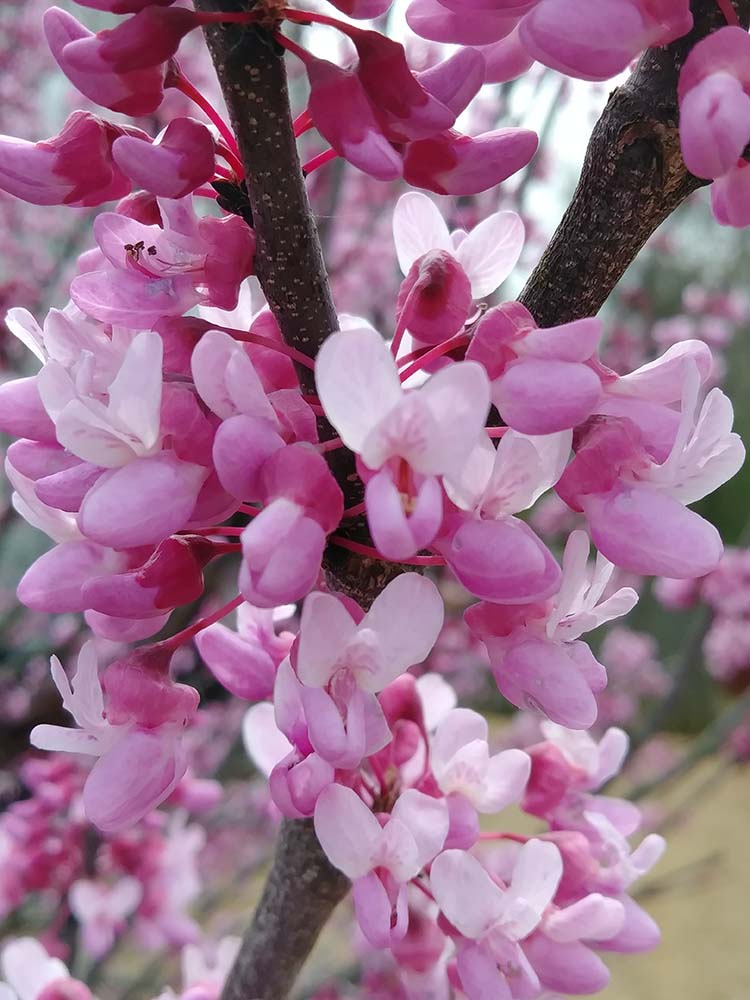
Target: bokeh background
679,667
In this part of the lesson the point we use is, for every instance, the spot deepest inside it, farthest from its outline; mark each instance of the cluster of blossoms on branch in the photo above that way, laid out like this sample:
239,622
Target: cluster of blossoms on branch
167,428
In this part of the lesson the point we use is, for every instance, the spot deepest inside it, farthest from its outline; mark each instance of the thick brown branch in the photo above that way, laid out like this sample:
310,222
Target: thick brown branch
284,929
633,178
289,261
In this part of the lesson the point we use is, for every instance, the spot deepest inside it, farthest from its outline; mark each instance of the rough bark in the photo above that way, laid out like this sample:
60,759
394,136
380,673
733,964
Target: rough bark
289,260
633,178
283,930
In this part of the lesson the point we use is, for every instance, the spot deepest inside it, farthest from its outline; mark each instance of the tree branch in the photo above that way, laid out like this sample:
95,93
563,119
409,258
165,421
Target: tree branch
301,892
633,178
289,260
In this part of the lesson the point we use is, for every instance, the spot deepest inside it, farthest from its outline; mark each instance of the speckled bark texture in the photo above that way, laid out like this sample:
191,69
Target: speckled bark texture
289,260
633,178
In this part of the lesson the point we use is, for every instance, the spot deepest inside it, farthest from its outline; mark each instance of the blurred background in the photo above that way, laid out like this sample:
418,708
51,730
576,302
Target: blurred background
679,667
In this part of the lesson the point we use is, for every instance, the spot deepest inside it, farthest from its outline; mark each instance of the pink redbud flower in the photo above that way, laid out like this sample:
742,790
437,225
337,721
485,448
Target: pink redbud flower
455,164
730,196
495,555
597,41
146,39
75,167
380,858
635,505
715,103
464,24
133,92
127,426
466,266
461,763
541,381
246,661
137,740
342,663
492,919
282,547
561,949
277,741
537,657
145,273
31,974
179,160
408,438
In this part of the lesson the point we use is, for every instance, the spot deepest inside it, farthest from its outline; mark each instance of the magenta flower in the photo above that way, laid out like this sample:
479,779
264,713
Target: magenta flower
634,494
467,266
537,658
542,379
343,662
178,161
597,41
283,545
495,555
75,167
405,439
137,741
132,92
246,661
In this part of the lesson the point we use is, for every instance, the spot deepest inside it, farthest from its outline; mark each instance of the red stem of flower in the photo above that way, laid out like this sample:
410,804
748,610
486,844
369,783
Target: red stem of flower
730,14
370,552
245,508
356,510
332,445
435,352
189,90
180,638
310,17
496,432
318,161
302,123
291,46
273,345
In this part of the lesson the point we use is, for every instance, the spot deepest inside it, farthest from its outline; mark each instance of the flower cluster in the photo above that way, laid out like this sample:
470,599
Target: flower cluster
169,426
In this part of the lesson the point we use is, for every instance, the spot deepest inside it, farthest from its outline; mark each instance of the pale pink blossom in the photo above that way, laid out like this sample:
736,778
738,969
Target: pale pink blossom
137,742
494,919
406,440
343,662
380,858
537,657
494,554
